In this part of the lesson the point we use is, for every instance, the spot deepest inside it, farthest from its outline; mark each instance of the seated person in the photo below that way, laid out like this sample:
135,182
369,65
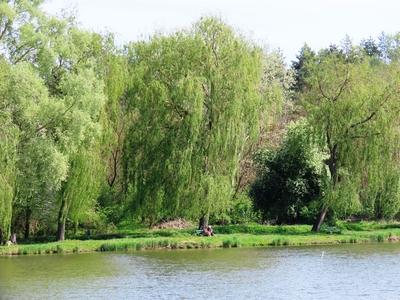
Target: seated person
208,231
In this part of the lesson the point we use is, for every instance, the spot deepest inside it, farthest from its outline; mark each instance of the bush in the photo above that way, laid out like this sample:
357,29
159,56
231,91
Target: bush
290,180
241,211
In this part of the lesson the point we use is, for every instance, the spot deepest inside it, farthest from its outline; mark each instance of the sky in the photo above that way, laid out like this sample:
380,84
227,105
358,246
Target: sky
276,24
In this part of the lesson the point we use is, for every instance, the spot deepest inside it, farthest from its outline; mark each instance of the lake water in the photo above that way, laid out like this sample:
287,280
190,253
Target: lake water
331,272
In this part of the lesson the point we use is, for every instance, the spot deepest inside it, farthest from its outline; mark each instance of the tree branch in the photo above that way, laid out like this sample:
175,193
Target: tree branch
364,136
364,120
322,91
23,55
59,116
340,88
343,85
6,26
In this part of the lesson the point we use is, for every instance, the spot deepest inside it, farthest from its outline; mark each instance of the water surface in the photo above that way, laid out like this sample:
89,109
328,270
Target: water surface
329,272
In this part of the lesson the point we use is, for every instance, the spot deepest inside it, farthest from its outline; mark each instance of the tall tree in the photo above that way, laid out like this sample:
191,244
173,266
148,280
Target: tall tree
195,103
352,106
371,48
165,103
55,96
41,165
300,67
232,105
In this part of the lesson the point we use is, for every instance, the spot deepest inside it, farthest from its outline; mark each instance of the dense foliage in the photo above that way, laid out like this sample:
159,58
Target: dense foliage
92,135
352,104
290,179
196,100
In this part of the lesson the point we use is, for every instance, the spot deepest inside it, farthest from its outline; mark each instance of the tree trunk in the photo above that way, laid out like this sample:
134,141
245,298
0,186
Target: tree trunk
332,163
317,225
61,230
76,228
62,216
203,222
378,207
1,237
14,238
28,214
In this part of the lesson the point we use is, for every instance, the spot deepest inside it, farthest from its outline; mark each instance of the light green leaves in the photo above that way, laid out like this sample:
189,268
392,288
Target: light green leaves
196,98
7,13
351,104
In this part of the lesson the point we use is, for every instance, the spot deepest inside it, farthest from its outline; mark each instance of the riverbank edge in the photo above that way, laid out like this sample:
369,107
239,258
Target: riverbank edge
199,242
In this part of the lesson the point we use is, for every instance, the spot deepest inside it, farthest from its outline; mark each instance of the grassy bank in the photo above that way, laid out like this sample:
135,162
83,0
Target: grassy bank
226,236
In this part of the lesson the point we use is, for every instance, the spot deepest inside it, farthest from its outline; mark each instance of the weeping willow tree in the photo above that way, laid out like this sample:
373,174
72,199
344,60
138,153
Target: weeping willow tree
165,102
53,100
195,103
351,103
232,107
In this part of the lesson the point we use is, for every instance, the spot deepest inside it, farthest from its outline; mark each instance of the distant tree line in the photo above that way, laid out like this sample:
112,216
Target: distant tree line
201,124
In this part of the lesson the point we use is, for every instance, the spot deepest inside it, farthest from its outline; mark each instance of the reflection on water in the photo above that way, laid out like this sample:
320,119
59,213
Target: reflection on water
330,272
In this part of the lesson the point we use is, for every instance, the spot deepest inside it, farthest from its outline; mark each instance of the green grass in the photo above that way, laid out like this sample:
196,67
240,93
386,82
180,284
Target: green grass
367,225
252,235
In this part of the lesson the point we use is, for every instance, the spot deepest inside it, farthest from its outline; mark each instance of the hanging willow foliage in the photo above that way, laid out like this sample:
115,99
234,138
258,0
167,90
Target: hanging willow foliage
83,185
195,103
352,105
165,99
232,108
8,143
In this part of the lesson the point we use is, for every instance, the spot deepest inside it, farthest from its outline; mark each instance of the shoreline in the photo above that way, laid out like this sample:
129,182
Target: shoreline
232,240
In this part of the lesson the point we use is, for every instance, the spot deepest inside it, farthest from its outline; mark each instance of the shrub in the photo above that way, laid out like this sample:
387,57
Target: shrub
290,180
243,211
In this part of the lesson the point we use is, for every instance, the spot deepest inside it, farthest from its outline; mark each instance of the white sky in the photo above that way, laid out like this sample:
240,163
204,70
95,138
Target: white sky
283,24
